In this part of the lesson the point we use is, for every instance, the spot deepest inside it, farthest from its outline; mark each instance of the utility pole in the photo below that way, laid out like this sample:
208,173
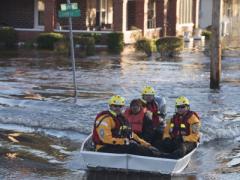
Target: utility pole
216,49
72,54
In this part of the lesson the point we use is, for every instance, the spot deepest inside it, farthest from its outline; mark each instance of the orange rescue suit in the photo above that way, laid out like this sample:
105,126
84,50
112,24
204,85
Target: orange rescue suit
107,130
186,125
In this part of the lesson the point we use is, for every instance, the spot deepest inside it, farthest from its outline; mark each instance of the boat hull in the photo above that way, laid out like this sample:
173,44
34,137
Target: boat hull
128,162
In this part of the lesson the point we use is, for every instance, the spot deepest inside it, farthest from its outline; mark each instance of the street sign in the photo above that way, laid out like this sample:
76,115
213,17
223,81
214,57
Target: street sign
74,5
69,13
65,7
69,10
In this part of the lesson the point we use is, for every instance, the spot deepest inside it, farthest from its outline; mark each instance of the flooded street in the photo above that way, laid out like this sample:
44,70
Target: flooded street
41,129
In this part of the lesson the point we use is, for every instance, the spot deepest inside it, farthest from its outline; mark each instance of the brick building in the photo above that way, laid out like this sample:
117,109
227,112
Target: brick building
148,18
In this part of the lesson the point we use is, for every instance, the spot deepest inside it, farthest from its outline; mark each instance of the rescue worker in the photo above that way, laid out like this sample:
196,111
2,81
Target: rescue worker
156,105
182,132
140,120
112,132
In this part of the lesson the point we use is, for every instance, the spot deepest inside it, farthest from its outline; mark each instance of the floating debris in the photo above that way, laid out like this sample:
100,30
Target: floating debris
33,96
234,162
11,155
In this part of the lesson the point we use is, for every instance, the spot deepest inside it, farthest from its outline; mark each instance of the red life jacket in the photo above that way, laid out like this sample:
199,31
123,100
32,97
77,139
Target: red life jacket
153,107
135,120
179,125
119,121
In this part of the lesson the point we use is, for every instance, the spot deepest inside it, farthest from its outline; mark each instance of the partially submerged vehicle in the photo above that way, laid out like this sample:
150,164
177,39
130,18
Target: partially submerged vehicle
128,162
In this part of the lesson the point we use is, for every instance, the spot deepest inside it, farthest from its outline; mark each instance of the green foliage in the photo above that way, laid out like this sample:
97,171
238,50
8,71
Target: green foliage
115,43
48,40
8,37
87,44
169,46
207,34
145,45
209,28
62,47
97,36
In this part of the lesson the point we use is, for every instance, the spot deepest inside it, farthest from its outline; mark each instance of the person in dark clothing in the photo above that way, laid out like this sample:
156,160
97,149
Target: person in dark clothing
157,106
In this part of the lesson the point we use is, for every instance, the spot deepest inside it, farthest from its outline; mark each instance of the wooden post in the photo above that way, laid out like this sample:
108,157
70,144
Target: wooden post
216,50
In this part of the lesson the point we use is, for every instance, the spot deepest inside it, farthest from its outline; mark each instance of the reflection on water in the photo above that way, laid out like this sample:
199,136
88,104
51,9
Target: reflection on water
107,175
27,169
34,155
94,175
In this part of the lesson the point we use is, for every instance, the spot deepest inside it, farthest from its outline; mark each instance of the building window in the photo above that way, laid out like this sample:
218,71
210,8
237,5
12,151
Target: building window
227,8
104,17
185,11
91,14
39,13
231,8
151,22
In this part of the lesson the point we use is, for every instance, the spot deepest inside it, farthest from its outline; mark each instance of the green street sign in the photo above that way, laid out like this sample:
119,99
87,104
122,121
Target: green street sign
72,6
69,13
63,7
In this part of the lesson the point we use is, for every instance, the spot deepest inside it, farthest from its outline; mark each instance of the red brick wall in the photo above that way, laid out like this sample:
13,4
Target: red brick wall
27,35
160,15
49,15
171,17
140,14
79,23
117,15
17,13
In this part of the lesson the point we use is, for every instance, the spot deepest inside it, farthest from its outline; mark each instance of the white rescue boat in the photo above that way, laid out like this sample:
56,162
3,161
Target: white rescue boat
128,162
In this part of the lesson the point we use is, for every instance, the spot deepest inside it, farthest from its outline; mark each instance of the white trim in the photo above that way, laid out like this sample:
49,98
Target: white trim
25,29
186,24
178,11
64,31
153,29
84,31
